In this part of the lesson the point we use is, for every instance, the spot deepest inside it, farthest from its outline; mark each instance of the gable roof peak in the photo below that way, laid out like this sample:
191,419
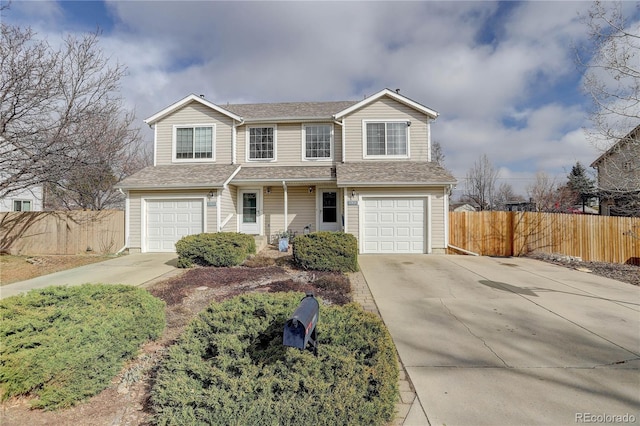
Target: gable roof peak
186,100
395,95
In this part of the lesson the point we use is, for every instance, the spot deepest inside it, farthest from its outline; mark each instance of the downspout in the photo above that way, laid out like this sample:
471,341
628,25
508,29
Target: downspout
428,139
341,124
126,221
286,205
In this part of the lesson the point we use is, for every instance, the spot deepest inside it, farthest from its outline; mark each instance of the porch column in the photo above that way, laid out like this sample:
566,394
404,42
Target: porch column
286,205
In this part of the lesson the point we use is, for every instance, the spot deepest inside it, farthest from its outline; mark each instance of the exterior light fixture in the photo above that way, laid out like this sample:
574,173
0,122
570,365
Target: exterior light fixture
212,194
353,193
268,190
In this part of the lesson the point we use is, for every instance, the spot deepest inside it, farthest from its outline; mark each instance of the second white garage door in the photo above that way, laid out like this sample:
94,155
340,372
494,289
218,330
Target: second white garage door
394,225
170,220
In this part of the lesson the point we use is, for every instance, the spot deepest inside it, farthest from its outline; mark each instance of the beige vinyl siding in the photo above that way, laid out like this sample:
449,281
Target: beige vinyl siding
194,113
387,109
228,200
437,212
135,223
353,219
273,209
288,145
301,208
212,216
136,220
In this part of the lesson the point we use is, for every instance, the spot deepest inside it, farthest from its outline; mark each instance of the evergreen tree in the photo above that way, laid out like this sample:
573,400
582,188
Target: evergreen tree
580,184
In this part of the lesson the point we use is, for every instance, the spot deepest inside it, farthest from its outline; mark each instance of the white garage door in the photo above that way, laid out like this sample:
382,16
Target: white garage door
170,220
394,225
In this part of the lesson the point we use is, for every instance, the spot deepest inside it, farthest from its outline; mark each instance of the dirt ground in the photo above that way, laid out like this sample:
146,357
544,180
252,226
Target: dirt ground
19,268
126,401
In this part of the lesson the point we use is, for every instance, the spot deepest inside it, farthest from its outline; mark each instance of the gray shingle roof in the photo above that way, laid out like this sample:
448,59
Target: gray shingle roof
308,110
392,173
280,173
185,176
180,176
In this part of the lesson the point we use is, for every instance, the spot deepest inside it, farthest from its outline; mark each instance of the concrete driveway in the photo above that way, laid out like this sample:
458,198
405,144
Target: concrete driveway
132,269
511,341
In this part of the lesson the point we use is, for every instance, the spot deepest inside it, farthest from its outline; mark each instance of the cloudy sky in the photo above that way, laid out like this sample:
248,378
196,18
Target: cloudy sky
502,75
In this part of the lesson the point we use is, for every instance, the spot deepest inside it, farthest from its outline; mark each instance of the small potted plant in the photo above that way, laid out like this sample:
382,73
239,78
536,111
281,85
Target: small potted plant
283,240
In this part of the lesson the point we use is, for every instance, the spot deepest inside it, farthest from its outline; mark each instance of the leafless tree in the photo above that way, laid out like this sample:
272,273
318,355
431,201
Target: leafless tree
61,118
611,64
549,195
480,183
437,155
506,194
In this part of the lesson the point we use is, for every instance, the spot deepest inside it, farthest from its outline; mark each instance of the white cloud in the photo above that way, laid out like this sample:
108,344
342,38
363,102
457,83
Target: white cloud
494,87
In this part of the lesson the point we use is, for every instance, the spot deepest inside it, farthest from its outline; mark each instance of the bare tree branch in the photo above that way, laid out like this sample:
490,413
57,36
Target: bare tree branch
61,119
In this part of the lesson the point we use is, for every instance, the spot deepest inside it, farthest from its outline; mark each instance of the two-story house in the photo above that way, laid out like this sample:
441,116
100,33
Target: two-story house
361,167
619,176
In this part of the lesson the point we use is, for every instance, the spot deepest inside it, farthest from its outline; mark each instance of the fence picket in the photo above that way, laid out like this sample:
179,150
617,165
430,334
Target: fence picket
593,238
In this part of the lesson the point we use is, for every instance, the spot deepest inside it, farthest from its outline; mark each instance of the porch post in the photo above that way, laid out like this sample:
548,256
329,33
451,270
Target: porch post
286,205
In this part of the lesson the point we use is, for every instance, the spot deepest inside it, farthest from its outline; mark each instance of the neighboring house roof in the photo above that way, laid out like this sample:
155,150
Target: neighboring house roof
290,110
462,207
632,135
392,173
288,174
185,176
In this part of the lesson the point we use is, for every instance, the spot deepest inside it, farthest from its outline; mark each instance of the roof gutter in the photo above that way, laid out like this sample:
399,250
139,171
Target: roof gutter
393,184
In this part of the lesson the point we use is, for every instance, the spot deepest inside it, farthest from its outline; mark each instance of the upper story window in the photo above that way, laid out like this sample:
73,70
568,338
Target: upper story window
318,141
386,138
194,142
21,206
262,143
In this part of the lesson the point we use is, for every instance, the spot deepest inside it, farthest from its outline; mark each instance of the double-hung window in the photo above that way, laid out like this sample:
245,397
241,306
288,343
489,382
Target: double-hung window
262,143
318,141
194,142
386,138
21,206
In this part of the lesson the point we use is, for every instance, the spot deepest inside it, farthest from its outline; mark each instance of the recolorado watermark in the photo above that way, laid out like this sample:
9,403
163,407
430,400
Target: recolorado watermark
605,418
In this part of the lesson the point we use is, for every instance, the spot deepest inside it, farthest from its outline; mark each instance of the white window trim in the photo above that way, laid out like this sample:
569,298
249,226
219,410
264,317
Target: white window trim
304,143
174,144
378,157
248,143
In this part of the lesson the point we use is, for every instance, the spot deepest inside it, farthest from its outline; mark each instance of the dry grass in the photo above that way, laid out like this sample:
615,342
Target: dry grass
19,268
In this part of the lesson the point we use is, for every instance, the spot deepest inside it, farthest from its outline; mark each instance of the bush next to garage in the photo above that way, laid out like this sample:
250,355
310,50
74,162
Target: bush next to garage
219,249
230,368
61,345
326,251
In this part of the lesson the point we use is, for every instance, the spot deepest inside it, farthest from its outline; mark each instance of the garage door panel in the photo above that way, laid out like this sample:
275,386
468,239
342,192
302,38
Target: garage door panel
170,220
394,225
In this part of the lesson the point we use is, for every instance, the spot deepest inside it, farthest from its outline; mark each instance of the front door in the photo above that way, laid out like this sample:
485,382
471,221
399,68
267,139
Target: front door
249,212
328,210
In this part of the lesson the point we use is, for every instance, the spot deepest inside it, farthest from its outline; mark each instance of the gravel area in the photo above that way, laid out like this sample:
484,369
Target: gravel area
616,271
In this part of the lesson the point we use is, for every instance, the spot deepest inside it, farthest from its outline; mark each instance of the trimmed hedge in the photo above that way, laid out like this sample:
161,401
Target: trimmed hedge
230,368
65,344
218,249
326,251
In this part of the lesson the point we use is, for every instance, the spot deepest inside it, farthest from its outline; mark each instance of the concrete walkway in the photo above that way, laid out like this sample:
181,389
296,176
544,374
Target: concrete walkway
490,341
132,269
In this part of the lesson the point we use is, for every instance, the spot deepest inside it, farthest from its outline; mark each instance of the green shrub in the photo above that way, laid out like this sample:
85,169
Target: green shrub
230,368
326,251
65,344
219,249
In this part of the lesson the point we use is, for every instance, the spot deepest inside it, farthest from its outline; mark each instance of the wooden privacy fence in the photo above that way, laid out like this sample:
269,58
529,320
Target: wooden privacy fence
62,232
593,238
